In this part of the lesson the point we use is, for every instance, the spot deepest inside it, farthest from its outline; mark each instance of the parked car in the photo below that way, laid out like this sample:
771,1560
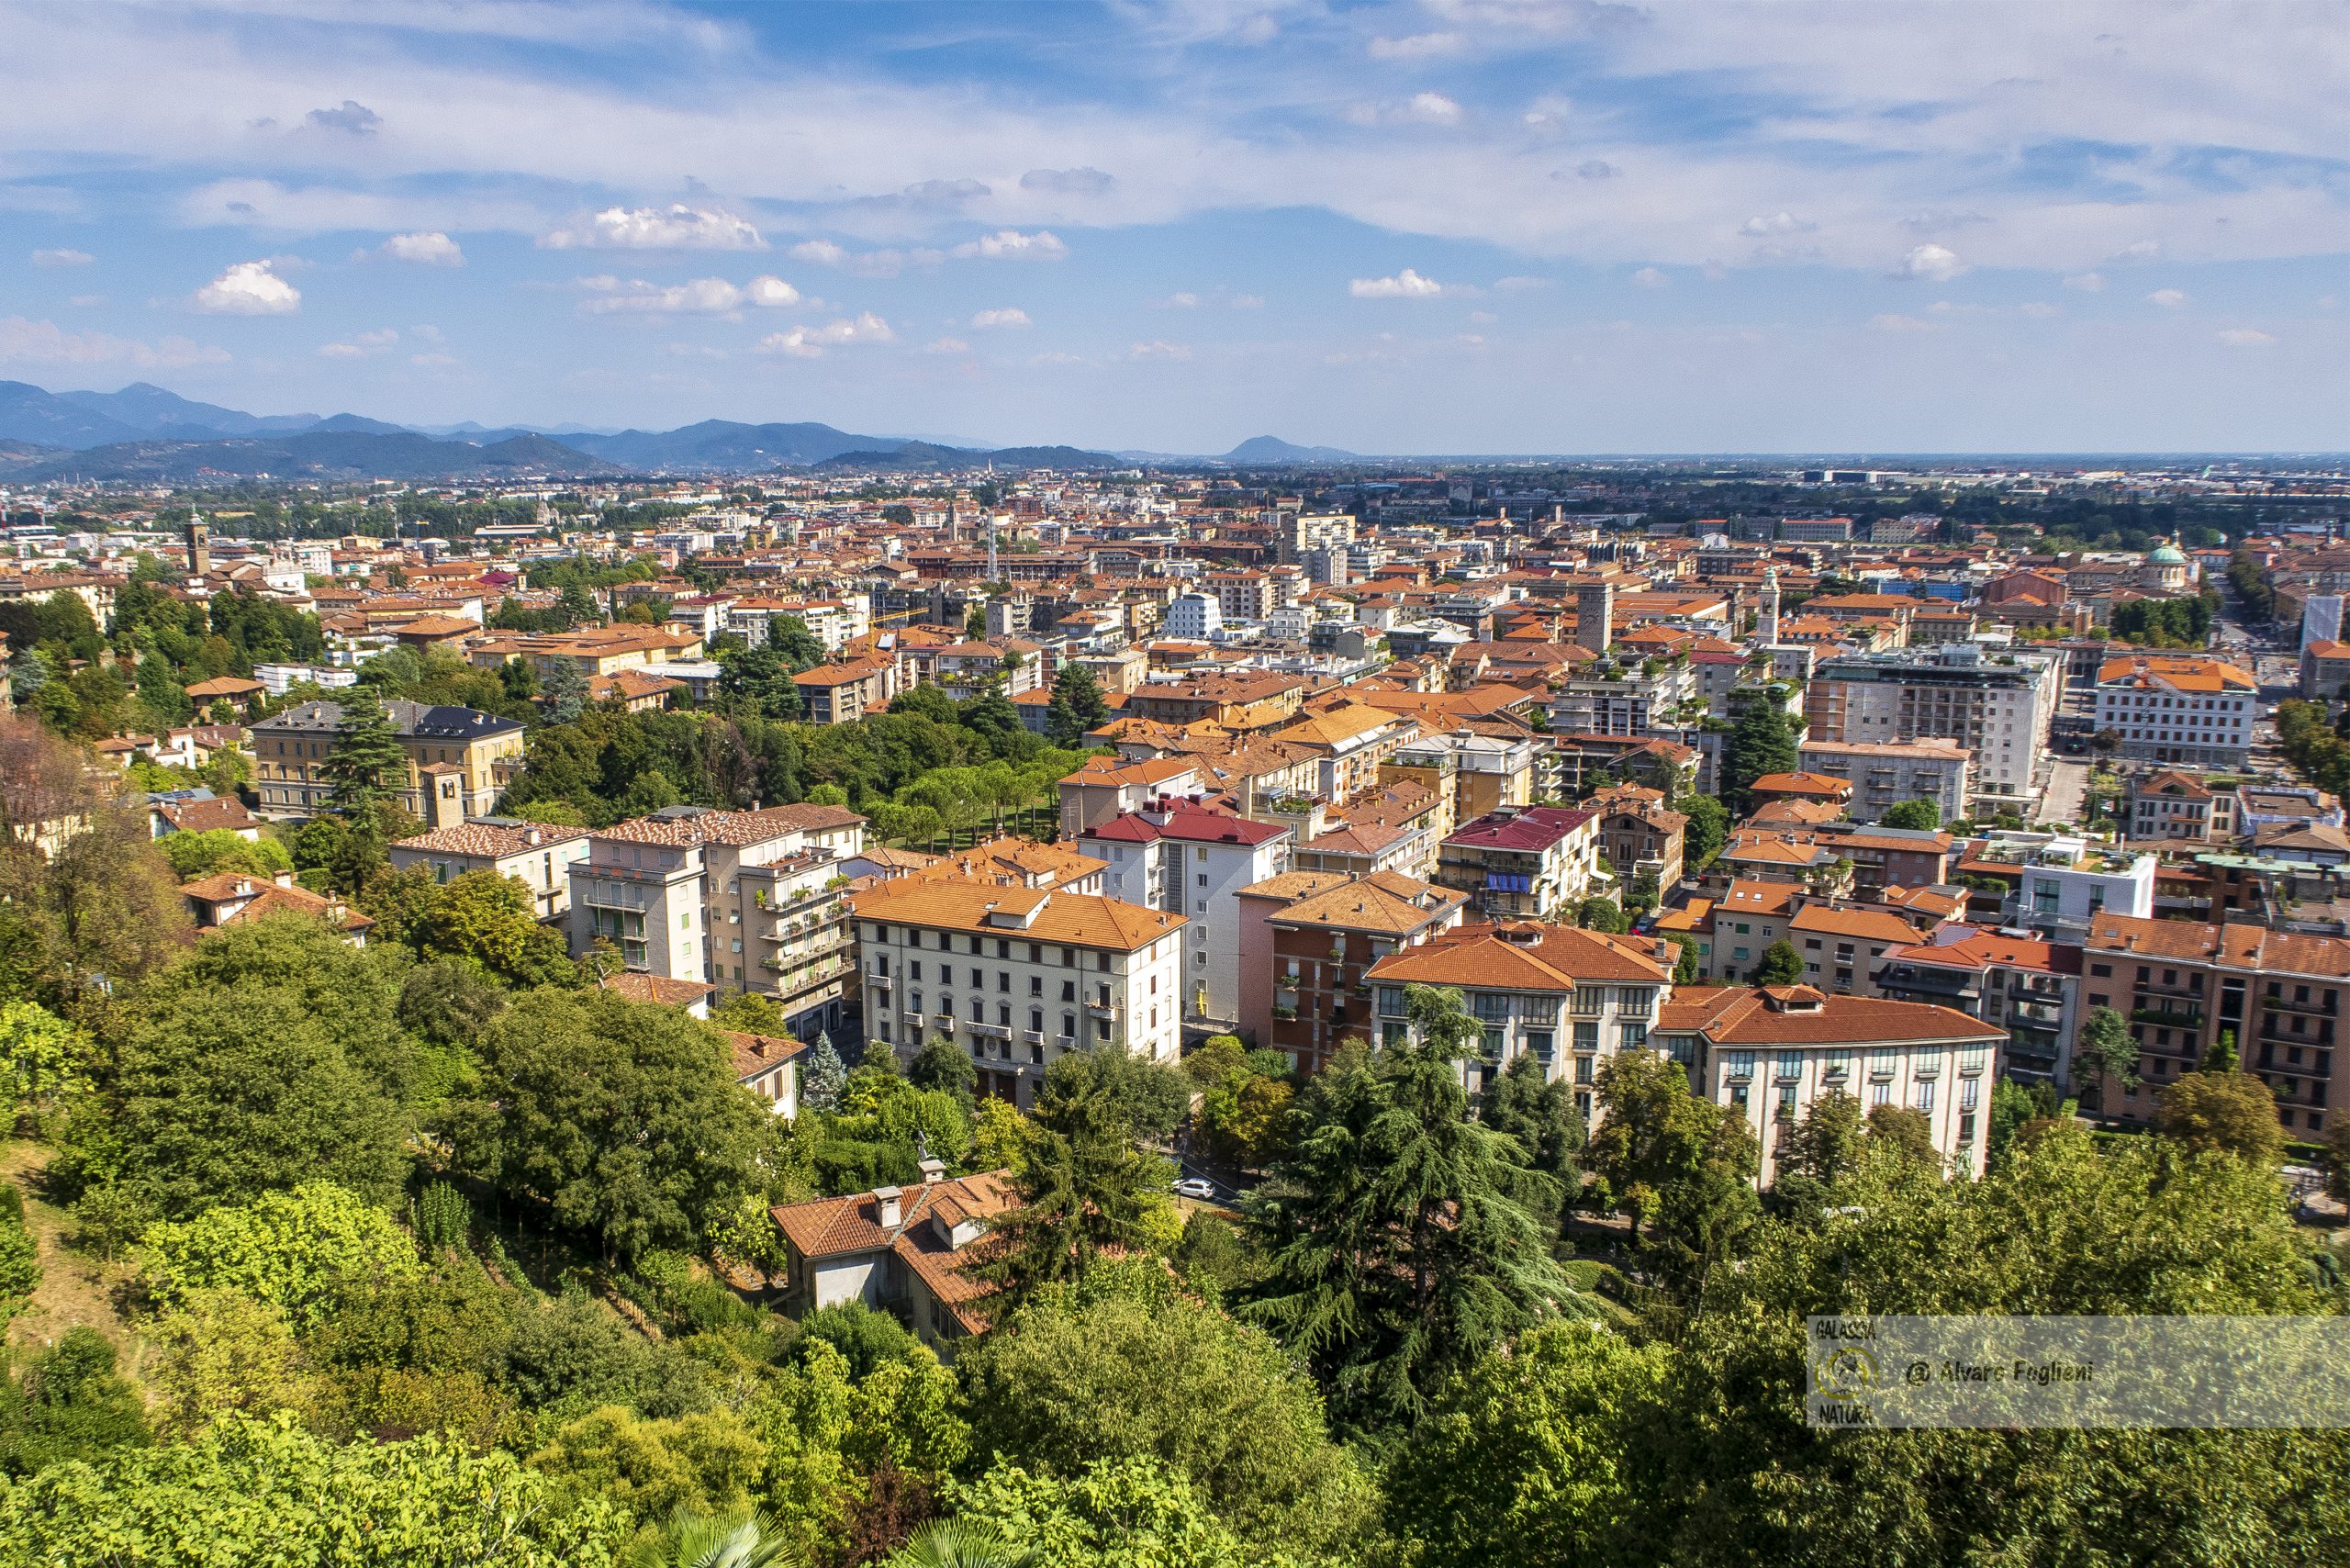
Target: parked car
1198,1187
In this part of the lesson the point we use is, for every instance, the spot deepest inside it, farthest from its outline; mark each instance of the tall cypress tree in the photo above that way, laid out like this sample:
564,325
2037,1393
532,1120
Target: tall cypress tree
1762,742
365,761
1077,707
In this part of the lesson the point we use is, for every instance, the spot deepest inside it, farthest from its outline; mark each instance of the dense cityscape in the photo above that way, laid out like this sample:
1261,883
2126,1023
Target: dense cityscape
1221,784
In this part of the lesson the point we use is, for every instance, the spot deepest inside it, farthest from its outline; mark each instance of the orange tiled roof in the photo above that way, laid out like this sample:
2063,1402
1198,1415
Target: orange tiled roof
1078,919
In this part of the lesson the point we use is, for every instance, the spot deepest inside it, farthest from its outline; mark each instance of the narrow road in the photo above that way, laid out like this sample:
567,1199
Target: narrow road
2068,794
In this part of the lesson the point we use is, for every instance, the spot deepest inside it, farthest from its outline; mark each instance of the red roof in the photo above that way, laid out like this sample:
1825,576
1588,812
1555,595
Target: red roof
1536,827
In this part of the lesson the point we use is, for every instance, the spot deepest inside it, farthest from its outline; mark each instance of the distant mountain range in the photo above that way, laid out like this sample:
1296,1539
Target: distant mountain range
144,432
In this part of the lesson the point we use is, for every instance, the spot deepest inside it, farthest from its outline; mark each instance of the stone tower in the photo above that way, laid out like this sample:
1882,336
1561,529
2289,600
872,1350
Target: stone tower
199,548
1767,631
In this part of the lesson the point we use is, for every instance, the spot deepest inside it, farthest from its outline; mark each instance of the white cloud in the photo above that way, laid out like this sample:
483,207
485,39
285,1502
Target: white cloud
1011,244
44,342
2246,338
1005,316
808,343
1405,284
1934,263
62,258
1420,108
2168,298
1182,300
2088,282
1649,278
1417,46
1248,302
432,361
430,247
947,345
1159,348
1889,321
863,264
1778,223
2143,250
362,345
703,296
2039,311
678,227
249,289
1068,182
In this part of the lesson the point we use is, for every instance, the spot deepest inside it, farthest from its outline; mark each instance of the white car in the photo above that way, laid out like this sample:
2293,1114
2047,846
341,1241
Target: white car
1198,1187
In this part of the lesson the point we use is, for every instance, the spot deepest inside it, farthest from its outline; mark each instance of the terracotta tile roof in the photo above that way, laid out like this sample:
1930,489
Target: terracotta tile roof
632,985
1860,925
1076,919
2174,672
1803,784
1383,902
1524,955
1185,824
1751,897
205,816
1534,827
838,1227
754,1054
737,828
1987,949
1350,721
1011,862
1799,1015
1291,885
491,841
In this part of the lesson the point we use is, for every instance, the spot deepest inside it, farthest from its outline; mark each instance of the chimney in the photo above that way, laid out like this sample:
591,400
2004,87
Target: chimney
933,1170
886,1197
285,878
531,836
244,887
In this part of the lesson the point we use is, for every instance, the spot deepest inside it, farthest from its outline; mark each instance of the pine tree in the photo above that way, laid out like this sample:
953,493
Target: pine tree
822,1080
1762,742
1077,707
365,760
566,691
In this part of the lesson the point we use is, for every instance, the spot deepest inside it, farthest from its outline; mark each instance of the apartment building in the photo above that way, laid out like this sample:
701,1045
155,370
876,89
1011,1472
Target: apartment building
2177,708
1640,838
459,759
1309,940
1565,996
1773,1053
1534,861
2182,985
1625,700
1018,976
2169,802
1191,861
1348,743
536,855
2031,988
741,901
1475,774
1884,773
846,691
1997,707
1106,788
2065,881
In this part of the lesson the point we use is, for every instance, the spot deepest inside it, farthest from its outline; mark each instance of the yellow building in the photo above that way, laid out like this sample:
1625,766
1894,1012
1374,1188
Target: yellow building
458,759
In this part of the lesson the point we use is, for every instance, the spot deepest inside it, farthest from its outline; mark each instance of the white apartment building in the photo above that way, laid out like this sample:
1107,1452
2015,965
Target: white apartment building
1018,976
2065,881
2177,708
534,854
1997,706
1774,1054
1884,773
742,901
1566,996
1187,861
1194,618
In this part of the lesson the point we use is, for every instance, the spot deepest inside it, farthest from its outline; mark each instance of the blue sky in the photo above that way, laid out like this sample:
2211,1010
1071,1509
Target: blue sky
1425,225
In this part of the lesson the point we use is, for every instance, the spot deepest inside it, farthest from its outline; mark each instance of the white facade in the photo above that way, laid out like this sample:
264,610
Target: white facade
1884,774
2067,882
2159,722
1999,707
1775,1086
1194,618
1018,977
1193,864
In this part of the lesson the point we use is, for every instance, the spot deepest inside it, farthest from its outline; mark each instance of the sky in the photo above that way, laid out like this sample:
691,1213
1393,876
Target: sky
1418,226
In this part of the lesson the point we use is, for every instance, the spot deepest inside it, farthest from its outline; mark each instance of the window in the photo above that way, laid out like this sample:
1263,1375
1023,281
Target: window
1737,1064
1390,1001
1926,1095
1880,1093
1633,1035
1787,1102
1586,1036
1488,1005
1790,1064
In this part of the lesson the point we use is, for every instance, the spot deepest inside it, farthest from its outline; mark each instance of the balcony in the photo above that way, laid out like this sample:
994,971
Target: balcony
615,895
1032,1037
1102,1009
2168,1017
989,1031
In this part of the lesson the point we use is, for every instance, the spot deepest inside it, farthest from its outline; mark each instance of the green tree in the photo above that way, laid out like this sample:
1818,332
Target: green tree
1685,968
749,1013
566,691
1149,1097
1083,1188
195,854
1132,1513
1402,1237
2234,1113
1601,914
290,1250
943,1064
1760,742
706,1461
1534,1459
1523,1102
1246,1119
1707,829
739,1538
44,1063
1077,707
1918,816
1219,1058
251,1492
1907,1131
68,1404
823,1076
622,1119
1127,1367
491,920
1681,1168
365,761
2104,1053
20,1256
1780,965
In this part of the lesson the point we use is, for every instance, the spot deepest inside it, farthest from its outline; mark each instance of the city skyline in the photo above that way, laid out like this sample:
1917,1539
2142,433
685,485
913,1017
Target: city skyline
1459,225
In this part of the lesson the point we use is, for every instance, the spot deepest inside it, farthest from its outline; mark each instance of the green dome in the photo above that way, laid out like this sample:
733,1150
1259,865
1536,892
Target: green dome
2167,555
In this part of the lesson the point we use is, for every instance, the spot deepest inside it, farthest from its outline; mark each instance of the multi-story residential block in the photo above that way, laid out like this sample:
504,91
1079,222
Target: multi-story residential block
2177,708
1625,700
1308,940
2031,988
1106,788
1018,976
2325,669
740,901
534,854
1884,773
1997,706
1519,862
2182,985
459,759
1773,1053
2170,802
1193,862
1242,596
844,692
1565,996
1641,839
2065,881
1841,945
1475,774
1348,743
